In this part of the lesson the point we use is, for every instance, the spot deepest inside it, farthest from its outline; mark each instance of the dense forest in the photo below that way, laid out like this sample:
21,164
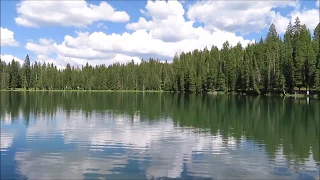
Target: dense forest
272,64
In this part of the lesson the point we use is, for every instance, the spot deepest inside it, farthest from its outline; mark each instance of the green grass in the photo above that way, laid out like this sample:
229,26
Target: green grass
302,95
76,90
158,91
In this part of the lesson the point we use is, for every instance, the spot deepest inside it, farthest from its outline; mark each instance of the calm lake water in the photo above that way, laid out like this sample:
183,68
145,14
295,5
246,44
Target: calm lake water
83,135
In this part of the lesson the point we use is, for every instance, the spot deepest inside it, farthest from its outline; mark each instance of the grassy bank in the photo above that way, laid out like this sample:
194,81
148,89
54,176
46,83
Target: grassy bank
76,90
244,93
271,93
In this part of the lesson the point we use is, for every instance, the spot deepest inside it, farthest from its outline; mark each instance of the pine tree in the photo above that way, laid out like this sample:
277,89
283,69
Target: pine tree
245,73
309,59
4,75
43,79
213,67
26,73
298,53
317,80
221,84
288,65
282,83
273,57
192,80
232,69
14,74
255,74
316,50
270,64
67,77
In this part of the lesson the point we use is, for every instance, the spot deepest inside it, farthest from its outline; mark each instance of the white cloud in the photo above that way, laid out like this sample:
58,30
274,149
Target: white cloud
166,34
310,17
121,58
8,58
160,33
43,58
69,52
7,37
247,16
66,13
167,24
236,16
141,24
279,21
44,46
99,47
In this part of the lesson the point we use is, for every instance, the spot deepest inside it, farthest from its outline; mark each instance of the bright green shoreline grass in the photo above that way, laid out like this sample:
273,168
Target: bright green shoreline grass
157,91
76,90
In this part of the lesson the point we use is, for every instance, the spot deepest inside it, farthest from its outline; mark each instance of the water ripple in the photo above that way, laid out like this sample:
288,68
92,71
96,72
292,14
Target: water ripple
106,143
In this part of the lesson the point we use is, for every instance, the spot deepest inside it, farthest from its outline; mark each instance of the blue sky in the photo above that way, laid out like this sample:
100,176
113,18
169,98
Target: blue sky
98,32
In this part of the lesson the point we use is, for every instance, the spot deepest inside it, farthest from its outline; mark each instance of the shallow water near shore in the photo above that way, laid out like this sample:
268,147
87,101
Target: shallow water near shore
119,135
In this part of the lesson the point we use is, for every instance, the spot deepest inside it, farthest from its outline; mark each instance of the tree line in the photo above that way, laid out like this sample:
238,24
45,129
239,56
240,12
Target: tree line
274,63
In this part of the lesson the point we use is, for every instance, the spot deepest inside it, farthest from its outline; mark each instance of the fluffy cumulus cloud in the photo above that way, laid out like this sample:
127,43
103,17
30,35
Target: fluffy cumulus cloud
167,33
8,58
44,46
162,30
98,47
310,17
167,24
237,16
75,54
279,21
7,37
251,16
66,13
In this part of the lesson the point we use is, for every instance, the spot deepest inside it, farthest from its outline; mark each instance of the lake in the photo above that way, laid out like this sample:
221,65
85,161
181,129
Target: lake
113,135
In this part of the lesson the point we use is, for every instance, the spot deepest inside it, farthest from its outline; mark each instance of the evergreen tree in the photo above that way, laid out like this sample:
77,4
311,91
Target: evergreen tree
192,80
288,65
26,73
316,50
67,77
221,84
272,64
298,54
14,76
4,75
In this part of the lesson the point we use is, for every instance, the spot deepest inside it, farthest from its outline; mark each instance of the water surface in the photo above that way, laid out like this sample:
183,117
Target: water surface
83,135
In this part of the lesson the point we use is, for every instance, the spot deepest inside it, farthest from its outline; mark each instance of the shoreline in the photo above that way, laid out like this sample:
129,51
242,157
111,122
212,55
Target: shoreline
268,94
75,90
241,93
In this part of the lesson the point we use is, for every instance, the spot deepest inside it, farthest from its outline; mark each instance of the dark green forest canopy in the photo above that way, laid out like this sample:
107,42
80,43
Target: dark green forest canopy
273,64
